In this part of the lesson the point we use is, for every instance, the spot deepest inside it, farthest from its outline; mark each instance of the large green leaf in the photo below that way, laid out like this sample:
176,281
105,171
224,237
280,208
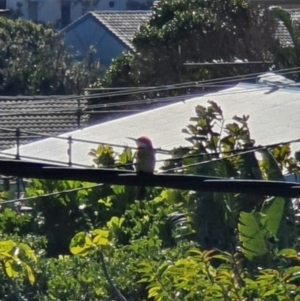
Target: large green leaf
252,236
273,214
270,166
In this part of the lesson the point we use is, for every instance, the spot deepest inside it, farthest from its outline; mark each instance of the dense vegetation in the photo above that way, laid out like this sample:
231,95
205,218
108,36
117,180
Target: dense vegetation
98,242
34,60
176,245
183,31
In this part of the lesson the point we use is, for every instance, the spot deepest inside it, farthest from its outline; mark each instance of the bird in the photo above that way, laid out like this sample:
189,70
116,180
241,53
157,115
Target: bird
144,161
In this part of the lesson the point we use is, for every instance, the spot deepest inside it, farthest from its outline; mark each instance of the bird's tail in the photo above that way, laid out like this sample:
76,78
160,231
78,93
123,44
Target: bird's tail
141,193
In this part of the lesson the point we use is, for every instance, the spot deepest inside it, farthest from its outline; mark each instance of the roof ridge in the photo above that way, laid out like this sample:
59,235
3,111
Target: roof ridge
100,16
120,11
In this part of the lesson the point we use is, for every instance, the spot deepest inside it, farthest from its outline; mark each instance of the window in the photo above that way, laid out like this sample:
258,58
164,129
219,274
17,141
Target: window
3,4
111,4
65,13
33,10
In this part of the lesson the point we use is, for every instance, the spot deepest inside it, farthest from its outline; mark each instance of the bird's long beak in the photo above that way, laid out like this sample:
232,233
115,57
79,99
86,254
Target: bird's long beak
131,138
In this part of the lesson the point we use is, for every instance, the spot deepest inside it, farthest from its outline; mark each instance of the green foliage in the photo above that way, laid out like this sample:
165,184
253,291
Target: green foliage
60,216
137,5
118,74
180,245
183,31
13,223
13,258
33,60
196,276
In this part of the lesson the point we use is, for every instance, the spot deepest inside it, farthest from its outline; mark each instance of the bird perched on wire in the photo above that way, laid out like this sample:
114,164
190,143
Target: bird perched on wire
144,161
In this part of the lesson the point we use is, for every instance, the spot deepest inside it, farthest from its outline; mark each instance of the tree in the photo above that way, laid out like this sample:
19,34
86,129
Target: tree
199,31
138,5
34,60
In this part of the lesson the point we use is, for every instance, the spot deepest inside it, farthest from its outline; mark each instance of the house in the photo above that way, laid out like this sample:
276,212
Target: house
110,32
63,12
282,33
47,115
289,4
272,104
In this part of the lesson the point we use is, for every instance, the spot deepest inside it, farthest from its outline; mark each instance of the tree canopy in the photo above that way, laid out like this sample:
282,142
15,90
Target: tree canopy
34,60
201,31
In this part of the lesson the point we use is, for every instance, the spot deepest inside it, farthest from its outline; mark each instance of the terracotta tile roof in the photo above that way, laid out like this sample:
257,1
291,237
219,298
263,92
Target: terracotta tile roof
48,115
122,24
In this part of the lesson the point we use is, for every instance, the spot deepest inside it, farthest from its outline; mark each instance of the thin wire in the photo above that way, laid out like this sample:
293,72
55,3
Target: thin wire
152,100
177,98
149,100
43,160
234,151
48,194
162,151
228,63
193,83
210,161
176,86
188,84
205,83
76,139
238,153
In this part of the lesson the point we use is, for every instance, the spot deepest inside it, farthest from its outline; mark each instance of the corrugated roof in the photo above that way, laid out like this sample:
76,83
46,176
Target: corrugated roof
122,24
49,115
274,117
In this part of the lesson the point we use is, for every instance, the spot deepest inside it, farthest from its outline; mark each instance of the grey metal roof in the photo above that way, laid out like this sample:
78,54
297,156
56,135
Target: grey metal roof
122,24
281,33
285,3
49,115
274,117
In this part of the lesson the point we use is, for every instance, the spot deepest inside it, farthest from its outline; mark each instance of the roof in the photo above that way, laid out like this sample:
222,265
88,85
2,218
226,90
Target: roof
274,117
282,33
284,3
52,115
122,24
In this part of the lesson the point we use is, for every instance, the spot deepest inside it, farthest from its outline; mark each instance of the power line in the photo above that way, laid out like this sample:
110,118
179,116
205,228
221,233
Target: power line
210,161
177,86
228,63
48,194
76,139
42,159
236,153
85,110
190,84
205,83
174,181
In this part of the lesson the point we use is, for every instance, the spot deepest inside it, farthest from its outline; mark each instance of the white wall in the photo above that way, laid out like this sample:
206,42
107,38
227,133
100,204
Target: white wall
50,10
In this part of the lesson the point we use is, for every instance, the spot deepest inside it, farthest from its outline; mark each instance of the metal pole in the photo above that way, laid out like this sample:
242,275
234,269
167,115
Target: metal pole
70,150
78,113
18,134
